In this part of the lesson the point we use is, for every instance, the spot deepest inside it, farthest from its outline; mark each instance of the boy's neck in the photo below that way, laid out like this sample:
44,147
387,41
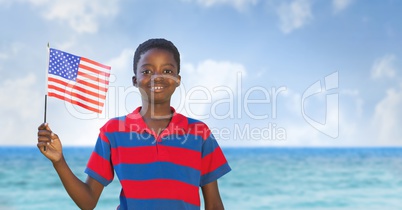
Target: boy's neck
156,111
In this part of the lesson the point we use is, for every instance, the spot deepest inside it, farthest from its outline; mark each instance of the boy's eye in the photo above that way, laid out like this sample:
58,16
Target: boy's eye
146,71
167,71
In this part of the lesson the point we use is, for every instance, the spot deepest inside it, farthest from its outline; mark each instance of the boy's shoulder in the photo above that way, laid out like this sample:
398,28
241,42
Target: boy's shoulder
198,127
116,119
191,121
114,124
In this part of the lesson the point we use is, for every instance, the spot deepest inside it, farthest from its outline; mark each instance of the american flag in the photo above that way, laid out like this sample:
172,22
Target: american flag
77,80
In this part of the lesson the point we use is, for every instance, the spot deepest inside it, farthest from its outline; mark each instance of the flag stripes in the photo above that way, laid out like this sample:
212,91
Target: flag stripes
78,80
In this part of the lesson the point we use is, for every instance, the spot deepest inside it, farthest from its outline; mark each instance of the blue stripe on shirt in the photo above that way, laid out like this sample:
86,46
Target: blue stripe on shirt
155,204
158,170
209,145
215,174
102,148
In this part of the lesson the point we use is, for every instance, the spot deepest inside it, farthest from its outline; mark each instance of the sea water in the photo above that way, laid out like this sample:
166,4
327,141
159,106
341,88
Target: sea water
261,178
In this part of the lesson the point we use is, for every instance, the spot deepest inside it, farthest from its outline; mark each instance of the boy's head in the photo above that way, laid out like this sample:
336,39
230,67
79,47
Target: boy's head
159,44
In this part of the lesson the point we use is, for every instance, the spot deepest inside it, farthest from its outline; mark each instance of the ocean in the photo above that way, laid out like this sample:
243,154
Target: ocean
261,178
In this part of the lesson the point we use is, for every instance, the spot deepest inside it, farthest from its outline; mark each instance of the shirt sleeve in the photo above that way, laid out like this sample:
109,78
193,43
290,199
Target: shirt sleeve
213,163
100,166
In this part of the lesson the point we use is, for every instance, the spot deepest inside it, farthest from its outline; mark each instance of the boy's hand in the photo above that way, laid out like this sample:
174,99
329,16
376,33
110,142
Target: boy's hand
49,143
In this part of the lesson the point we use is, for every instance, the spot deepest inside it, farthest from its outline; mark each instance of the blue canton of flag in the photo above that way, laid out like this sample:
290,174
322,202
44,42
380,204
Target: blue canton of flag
63,64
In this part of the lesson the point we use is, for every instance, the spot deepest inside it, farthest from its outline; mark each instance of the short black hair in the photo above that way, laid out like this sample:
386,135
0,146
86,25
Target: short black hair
158,43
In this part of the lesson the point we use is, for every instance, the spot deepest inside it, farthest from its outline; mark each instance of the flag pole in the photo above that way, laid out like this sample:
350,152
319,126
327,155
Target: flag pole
46,84
46,72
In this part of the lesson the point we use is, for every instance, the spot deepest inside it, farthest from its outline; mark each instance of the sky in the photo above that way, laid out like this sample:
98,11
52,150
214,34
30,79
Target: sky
259,73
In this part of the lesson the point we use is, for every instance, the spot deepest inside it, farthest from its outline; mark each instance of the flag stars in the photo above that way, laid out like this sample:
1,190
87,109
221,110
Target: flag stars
64,65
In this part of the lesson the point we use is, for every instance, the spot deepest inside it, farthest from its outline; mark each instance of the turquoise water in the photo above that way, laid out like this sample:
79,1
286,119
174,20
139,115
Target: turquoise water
280,178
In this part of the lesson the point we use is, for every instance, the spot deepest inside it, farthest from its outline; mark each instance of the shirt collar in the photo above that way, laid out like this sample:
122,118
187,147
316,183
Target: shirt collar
177,125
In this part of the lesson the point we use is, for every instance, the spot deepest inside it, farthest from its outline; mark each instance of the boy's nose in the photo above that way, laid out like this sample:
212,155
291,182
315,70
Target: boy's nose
157,77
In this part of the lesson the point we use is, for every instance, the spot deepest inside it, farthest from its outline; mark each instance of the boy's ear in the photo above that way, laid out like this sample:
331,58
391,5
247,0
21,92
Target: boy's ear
178,80
134,80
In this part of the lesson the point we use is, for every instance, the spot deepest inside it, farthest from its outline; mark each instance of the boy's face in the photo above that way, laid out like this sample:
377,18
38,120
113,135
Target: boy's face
156,76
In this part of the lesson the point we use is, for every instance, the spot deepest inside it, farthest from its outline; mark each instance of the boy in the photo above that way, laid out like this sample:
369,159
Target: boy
160,156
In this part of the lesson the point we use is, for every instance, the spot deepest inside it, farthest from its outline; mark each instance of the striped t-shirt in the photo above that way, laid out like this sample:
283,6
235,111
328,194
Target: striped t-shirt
163,172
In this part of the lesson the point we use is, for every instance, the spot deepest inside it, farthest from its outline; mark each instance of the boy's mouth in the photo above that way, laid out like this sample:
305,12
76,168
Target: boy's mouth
157,88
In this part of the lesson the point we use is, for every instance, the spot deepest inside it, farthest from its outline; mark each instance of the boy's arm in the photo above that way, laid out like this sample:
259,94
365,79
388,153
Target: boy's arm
84,194
212,198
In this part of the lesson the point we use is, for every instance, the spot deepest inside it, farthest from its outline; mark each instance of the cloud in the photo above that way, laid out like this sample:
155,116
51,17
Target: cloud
20,105
123,62
294,15
26,100
10,50
123,97
354,97
83,16
384,67
340,5
298,131
387,118
238,4
3,56
205,83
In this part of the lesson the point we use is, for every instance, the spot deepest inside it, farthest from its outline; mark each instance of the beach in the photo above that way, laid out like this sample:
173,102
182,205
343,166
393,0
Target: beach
261,178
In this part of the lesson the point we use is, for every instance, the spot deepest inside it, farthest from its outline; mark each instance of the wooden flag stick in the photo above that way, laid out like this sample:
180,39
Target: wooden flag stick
46,79
44,120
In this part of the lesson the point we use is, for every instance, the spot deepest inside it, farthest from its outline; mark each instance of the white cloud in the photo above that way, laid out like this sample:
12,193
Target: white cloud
83,16
300,133
293,99
20,107
123,97
123,62
340,5
208,81
294,15
384,67
3,56
238,4
387,118
26,100
358,101
10,50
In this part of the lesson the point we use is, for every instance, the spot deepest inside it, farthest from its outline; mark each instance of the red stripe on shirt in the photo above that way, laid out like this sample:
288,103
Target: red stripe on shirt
161,189
101,166
134,155
114,125
103,137
212,161
180,156
161,153
199,129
